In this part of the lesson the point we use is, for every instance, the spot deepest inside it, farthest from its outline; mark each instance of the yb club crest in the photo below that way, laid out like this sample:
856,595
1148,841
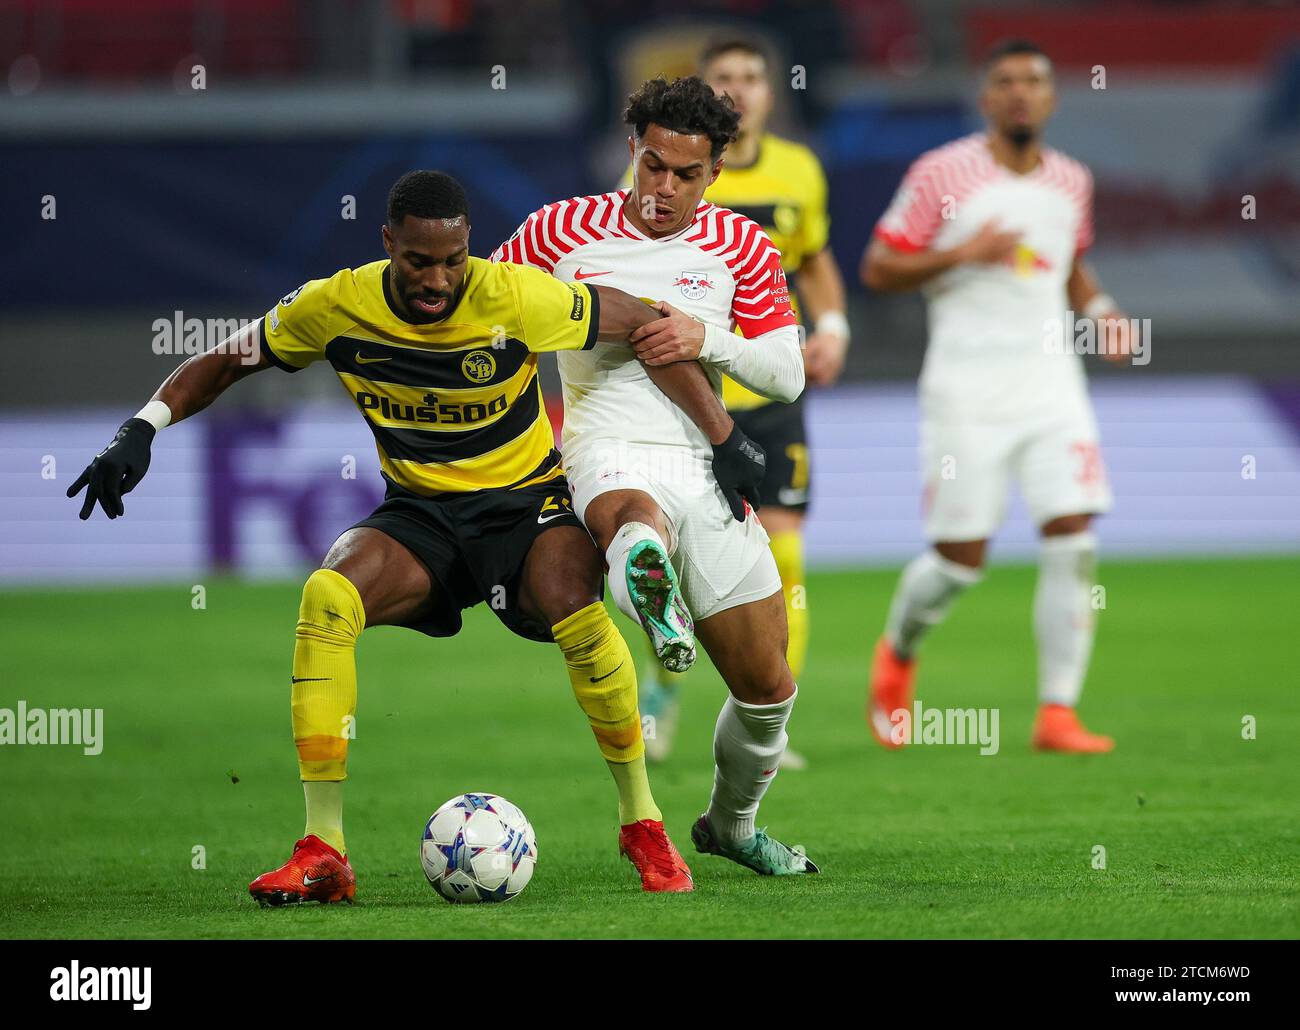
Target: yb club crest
479,366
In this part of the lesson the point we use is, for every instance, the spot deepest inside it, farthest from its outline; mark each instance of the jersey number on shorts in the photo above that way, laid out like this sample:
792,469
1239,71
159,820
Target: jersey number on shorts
554,507
1090,472
798,453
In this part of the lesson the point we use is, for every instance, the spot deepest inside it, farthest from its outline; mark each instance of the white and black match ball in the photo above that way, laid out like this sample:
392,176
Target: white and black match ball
478,847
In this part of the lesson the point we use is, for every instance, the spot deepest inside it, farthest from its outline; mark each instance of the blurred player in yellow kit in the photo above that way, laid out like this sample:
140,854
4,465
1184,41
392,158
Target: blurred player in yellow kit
780,185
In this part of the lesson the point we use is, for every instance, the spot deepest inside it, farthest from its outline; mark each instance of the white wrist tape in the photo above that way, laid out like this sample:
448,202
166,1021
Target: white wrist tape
156,413
1102,304
834,323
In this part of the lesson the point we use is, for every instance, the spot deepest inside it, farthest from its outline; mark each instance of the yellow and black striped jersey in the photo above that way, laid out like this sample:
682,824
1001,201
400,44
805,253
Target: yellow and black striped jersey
455,405
784,191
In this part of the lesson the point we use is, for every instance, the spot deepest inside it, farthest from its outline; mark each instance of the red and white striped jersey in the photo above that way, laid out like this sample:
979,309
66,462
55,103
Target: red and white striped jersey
721,268
988,355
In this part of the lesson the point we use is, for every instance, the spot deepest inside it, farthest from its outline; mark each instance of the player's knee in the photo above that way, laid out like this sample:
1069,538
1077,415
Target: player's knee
768,693
969,553
331,607
768,683
610,512
563,600
1066,525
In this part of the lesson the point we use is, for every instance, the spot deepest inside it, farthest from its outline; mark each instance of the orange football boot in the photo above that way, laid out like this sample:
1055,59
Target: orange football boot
646,846
892,686
1058,728
315,872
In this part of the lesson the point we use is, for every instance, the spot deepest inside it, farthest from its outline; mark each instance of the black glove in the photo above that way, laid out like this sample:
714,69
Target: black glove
738,466
116,469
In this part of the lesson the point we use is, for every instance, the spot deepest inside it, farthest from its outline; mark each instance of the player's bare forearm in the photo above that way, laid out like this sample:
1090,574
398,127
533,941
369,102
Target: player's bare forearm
821,290
198,382
821,287
1082,286
686,384
1088,299
738,463
887,270
1086,296
683,382
621,314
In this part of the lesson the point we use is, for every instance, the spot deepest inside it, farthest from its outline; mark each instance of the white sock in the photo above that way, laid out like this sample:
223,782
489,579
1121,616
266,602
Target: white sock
748,742
1063,616
926,590
628,536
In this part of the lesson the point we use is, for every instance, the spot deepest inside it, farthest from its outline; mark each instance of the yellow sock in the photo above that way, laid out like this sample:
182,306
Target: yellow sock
325,695
604,682
787,549
325,812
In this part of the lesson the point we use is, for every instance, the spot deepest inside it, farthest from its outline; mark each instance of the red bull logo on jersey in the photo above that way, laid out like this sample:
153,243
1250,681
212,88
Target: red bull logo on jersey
694,285
1027,261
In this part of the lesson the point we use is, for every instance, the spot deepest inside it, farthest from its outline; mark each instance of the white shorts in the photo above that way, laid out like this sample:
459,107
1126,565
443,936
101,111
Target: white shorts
967,467
720,563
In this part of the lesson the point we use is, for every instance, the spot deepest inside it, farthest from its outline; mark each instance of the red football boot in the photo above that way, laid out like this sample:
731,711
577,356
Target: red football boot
1058,728
315,872
647,847
892,680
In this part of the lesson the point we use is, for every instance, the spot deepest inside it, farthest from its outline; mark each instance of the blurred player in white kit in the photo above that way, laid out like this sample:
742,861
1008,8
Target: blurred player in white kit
686,557
993,228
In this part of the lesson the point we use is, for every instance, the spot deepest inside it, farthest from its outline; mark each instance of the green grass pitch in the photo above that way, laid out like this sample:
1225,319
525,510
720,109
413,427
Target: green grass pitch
1199,825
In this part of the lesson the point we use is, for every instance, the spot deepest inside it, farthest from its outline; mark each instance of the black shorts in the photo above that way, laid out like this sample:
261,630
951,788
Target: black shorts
474,547
779,430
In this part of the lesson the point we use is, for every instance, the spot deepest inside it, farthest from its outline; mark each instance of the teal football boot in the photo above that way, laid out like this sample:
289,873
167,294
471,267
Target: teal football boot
652,584
766,855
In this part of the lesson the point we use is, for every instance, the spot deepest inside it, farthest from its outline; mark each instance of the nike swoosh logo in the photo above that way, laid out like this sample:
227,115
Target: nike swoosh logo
369,361
310,679
579,276
307,881
597,679
548,518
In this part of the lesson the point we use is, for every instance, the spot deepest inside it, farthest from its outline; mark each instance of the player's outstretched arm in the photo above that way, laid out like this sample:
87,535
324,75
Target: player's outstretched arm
889,269
738,462
1087,297
192,387
821,291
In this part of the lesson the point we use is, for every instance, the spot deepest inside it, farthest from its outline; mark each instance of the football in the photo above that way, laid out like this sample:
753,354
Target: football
478,847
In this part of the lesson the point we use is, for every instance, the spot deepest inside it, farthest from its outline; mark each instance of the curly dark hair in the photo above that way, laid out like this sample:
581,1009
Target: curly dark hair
686,105
426,194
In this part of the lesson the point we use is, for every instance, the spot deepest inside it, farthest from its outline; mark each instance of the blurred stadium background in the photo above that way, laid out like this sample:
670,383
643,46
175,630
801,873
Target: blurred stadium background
194,159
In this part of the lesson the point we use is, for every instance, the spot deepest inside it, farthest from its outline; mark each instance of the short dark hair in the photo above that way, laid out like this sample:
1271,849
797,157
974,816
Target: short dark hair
687,105
1011,48
730,45
426,194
